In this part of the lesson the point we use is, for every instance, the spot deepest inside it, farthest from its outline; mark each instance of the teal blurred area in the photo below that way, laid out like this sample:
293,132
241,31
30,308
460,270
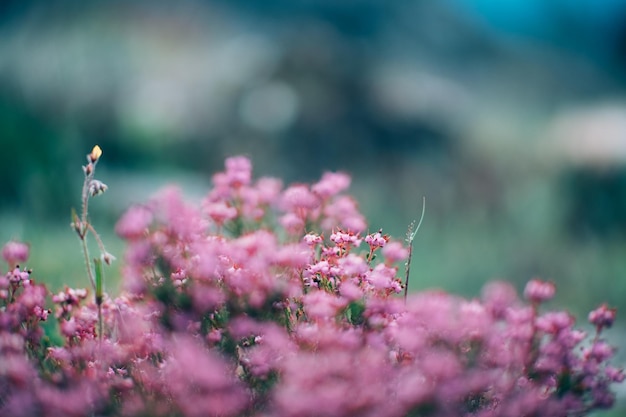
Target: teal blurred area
509,117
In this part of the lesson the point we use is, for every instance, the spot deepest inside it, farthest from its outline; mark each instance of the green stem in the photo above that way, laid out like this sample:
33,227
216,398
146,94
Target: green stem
410,237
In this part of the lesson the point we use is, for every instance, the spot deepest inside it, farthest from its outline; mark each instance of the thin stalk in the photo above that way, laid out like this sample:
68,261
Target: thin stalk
83,227
99,294
98,241
92,280
410,236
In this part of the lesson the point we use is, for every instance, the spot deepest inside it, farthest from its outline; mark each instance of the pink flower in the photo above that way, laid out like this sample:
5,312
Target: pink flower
17,276
15,253
350,291
394,252
184,220
342,238
320,305
312,239
292,223
268,189
538,291
498,296
238,171
599,351
298,197
343,212
554,322
376,240
294,255
219,211
332,183
134,223
353,265
383,278
199,382
603,316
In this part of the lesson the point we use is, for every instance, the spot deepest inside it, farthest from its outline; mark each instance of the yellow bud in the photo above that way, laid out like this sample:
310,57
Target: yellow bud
95,154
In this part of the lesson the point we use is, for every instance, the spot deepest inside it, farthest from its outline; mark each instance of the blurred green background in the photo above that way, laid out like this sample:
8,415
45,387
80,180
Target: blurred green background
508,116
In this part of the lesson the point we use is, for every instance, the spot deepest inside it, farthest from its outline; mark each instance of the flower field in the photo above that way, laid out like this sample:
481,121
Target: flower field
277,300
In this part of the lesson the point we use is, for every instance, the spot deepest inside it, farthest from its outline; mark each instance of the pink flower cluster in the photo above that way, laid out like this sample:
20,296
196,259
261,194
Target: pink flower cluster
271,301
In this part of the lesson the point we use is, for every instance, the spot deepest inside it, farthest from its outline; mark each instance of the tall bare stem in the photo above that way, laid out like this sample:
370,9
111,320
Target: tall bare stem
410,236
92,188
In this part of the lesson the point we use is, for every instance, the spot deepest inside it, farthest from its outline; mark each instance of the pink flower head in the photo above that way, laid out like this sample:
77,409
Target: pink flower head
599,351
198,382
383,277
291,223
299,197
268,189
293,255
353,265
332,183
341,238
394,252
320,305
238,171
554,322
15,252
18,276
602,316
134,223
219,211
615,374
376,240
312,239
538,291
343,212
498,296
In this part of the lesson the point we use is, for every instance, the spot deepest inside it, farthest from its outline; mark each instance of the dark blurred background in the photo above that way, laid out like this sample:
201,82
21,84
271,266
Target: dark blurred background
508,116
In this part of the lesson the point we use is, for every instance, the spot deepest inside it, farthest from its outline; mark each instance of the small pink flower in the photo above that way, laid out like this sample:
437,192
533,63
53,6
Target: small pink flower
599,351
18,276
350,291
293,255
376,240
342,211
299,197
219,212
320,305
602,316
615,374
68,327
340,238
554,322
394,252
498,296
332,183
383,277
312,239
268,189
15,252
538,291
134,223
238,171
353,265
292,223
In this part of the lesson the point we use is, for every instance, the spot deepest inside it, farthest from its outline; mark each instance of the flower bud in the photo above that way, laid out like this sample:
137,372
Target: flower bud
97,187
95,154
107,258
